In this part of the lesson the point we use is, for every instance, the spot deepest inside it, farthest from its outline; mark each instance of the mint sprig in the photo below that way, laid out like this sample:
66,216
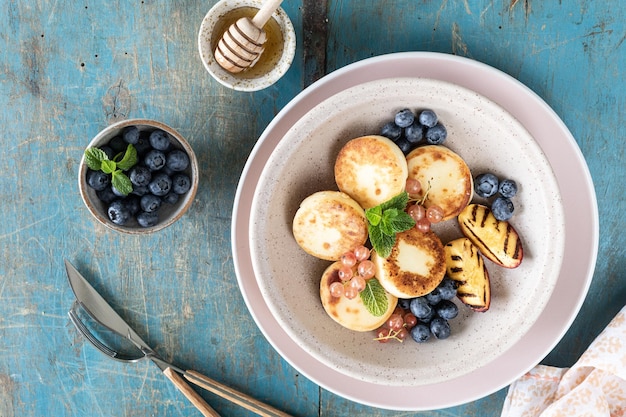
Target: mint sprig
374,297
385,221
97,160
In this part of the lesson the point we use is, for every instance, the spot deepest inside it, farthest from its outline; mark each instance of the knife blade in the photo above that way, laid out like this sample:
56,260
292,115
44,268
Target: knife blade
98,308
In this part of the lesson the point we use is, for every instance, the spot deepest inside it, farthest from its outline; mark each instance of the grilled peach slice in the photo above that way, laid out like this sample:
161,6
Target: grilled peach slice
465,265
497,240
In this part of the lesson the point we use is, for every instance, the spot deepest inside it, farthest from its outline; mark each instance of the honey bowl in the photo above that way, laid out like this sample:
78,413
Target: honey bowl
273,63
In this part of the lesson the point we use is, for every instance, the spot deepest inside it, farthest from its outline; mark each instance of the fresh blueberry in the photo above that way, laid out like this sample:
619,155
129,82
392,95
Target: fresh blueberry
436,135
140,190
434,296
110,153
171,198
486,185
447,309
143,144
98,180
440,328
391,131
131,135
117,144
414,133
107,195
159,140
160,185
177,160
181,183
508,188
428,118
140,175
404,118
150,203
420,333
404,303
502,208
154,160
132,204
421,308
148,219
118,213
447,289
404,145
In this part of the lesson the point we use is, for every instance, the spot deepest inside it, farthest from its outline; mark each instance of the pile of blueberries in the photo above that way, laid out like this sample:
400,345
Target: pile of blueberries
408,129
433,311
488,185
158,178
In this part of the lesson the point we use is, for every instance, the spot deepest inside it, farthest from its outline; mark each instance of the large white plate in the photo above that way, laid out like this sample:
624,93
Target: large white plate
580,213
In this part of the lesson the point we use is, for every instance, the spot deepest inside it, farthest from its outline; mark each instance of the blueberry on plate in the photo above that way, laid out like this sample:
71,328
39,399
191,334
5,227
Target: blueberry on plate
508,188
98,180
486,185
428,118
131,135
140,190
159,140
502,208
447,289
420,333
447,310
391,131
117,144
434,296
404,145
404,303
148,219
440,328
154,160
177,160
160,185
436,135
150,203
414,133
118,213
140,175
421,308
404,118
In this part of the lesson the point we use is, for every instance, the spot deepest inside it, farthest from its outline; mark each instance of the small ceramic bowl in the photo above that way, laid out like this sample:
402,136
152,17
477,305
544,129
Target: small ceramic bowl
273,63
167,213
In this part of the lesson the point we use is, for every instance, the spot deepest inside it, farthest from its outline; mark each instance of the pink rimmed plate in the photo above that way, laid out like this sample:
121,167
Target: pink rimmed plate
536,326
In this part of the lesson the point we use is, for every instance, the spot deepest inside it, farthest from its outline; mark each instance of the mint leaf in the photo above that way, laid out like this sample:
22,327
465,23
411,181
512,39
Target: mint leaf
129,159
381,242
94,158
121,182
374,215
402,222
374,297
398,202
108,167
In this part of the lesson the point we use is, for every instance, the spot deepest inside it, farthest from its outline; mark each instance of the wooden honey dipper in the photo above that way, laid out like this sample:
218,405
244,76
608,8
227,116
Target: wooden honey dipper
243,43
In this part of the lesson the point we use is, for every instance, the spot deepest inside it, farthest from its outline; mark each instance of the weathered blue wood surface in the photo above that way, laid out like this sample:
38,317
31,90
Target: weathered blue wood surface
67,69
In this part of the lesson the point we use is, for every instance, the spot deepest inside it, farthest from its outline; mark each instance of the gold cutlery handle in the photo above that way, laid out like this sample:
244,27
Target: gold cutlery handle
191,395
233,395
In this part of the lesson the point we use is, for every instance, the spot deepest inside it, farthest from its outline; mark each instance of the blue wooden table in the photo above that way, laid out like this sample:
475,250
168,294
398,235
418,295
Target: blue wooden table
68,69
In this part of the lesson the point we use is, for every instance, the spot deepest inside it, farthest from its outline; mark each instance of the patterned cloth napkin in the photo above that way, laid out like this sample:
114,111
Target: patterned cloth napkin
594,386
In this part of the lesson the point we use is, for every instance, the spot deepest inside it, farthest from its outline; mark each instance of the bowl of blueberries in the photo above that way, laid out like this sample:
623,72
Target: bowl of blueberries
138,176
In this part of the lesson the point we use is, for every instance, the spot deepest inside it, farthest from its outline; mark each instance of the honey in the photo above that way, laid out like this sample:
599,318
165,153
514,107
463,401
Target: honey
273,45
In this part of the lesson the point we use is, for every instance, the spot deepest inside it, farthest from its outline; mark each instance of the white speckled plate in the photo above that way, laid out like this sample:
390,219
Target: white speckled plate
494,123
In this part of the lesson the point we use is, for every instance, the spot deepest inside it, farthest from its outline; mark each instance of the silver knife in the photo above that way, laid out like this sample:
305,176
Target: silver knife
104,314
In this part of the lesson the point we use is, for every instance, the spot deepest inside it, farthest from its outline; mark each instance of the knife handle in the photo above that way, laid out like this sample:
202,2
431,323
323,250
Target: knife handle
233,395
191,395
